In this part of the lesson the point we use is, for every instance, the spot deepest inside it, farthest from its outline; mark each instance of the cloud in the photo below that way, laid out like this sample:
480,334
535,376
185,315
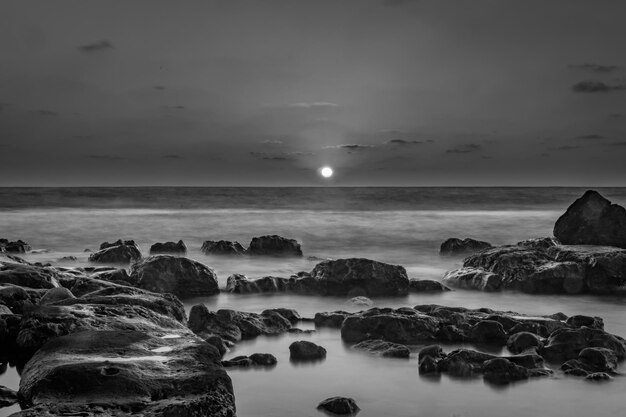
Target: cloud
272,142
566,148
313,105
277,158
96,46
595,67
402,142
589,86
46,113
351,146
590,137
106,157
280,156
466,148
172,156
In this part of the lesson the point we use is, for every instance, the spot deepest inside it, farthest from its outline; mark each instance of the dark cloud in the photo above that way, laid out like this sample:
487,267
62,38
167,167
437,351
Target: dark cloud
466,148
96,46
402,142
172,156
589,86
351,147
591,137
159,87
46,113
107,157
595,67
277,158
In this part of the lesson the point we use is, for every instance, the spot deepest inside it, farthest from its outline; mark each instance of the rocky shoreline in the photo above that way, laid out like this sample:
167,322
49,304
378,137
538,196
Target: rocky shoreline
105,340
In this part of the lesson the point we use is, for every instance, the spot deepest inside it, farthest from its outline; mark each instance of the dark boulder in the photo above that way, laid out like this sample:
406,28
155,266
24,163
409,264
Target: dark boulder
27,275
171,248
473,279
398,326
455,246
385,349
522,341
592,220
54,295
426,285
339,406
428,365
19,246
586,321
288,313
240,284
256,359
306,351
488,331
218,344
8,397
332,319
359,276
434,351
464,363
116,253
502,371
222,247
176,275
541,243
274,245
567,343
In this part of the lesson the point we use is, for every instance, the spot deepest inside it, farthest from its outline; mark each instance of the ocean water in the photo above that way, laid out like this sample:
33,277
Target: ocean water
397,225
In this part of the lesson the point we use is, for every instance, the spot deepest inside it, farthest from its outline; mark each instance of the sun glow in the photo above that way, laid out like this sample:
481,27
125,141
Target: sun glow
326,172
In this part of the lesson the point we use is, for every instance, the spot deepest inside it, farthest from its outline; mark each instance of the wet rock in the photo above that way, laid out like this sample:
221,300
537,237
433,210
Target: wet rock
27,275
464,363
218,344
434,351
473,279
339,405
8,397
488,331
503,371
176,275
567,343
519,342
592,220
56,294
256,359
599,376
222,247
426,285
587,321
398,326
17,298
428,365
274,245
288,313
116,253
332,319
171,248
306,351
541,243
385,349
455,246
240,284
19,246
234,325
359,276
598,359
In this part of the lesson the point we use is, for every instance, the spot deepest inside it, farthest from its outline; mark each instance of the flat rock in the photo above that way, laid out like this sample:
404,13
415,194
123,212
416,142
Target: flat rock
455,246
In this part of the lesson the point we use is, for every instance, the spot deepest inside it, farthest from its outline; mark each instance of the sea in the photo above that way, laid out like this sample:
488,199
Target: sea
398,225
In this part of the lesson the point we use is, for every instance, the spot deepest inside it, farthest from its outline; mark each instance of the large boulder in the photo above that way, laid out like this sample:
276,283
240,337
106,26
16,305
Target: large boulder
181,276
502,371
54,295
455,246
28,275
473,279
274,245
19,246
120,252
592,220
304,350
172,248
222,247
426,285
403,326
240,284
359,276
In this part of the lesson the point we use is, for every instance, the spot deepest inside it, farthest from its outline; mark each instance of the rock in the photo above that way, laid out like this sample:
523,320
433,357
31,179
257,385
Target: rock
455,246
473,279
28,275
426,285
8,397
288,313
428,365
332,319
488,331
176,275
339,405
172,248
67,259
116,253
234,325
256,359
218,344
306,351
598,359
358,276
567,343
274,245
17,299
592,220
385,349
18,246
503,371
434,351
522,341
599,376
240,284
56,294
361,301
464,363
586,321
398,326
222,247
541,243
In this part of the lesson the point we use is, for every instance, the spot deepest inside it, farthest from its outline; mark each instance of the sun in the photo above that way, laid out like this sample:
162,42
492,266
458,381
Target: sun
326,172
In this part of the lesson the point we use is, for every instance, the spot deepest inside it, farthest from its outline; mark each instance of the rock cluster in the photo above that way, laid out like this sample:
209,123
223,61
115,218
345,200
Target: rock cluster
270,245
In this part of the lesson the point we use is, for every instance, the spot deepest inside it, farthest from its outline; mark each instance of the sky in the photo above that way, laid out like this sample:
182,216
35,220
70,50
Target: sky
386,92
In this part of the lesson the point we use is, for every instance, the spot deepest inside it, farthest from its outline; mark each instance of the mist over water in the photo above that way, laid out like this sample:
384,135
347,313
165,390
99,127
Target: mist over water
397,225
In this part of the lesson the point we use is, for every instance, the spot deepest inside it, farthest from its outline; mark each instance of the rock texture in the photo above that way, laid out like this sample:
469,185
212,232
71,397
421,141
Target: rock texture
274,245
385,349
426,285
455,246
304,350
176,275
119,252
222,247
19,246
171,248
592,220
339,406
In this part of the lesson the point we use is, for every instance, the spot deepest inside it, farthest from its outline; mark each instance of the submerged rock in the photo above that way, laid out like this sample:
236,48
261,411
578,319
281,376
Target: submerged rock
522,341
256,359
306,351
176,275
592,220
222,247
274,245
240,284
339,405
120,252
172,248
455,246
426,285
386,349
503,371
